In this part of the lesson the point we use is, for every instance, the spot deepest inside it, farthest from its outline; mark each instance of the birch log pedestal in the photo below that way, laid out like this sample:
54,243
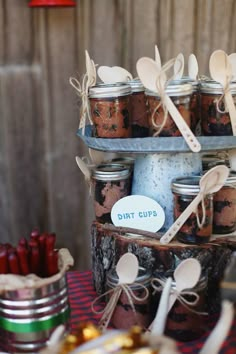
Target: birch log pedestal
108,246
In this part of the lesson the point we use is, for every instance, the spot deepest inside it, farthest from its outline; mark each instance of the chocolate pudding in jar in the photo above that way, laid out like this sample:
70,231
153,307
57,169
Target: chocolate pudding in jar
139,118
180,94
111,182
215,118
184,190
110,110
224,201
123,316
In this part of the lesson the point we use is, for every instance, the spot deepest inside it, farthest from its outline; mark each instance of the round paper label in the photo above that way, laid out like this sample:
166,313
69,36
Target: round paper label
139,212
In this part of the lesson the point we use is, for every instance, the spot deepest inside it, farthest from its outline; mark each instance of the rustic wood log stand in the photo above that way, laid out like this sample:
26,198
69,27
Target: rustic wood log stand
109,245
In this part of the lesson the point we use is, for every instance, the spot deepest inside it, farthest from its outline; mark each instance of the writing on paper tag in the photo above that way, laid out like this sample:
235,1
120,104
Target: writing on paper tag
139,212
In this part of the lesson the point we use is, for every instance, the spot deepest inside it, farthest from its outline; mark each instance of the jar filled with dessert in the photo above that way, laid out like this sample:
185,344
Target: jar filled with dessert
110,110
198,227
135,308
110,182
186,320
215,118
160,121
224,201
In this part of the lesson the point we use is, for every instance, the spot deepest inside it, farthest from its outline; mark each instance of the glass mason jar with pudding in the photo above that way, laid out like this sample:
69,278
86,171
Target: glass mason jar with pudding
215,119
224,202
110,182
110,110
184,190
123,316
180,94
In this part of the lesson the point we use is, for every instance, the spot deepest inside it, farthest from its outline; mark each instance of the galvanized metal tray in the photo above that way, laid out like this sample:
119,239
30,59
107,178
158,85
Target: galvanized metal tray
154,144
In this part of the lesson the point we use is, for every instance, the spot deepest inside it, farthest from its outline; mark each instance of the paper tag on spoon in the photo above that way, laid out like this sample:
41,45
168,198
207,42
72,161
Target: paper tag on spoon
138,211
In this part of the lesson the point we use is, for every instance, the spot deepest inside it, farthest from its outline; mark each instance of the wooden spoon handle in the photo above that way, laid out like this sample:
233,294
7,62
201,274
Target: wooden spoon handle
167,237
186,132
232,110
221,330
158,325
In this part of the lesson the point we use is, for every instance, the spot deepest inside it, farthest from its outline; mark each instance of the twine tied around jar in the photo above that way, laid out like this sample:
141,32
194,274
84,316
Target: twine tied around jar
221,99
161,84
179,295
116,292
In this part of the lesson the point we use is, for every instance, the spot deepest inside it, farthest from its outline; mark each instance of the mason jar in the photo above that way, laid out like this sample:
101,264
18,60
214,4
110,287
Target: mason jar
180,94
184,190
186,323
139,118
224,202
123,316
110,182
110,110
215,118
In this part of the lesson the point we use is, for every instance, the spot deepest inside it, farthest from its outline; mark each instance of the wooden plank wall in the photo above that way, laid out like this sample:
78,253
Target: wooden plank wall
40,184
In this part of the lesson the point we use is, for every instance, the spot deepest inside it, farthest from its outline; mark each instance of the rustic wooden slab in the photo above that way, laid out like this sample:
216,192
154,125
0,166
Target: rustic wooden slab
108,246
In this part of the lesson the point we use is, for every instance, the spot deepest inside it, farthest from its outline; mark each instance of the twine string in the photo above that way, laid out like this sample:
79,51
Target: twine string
82,90
180,295
226,90
161,87
116,292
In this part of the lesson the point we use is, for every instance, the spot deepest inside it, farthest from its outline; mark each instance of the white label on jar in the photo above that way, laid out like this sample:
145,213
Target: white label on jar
139,212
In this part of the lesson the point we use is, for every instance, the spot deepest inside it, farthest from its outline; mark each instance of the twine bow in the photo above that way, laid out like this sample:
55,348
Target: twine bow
116,292
179,295
82,90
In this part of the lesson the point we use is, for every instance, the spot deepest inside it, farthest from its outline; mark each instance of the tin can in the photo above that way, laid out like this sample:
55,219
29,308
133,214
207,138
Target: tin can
110,110
215,119
139,118
184,190
224,202
124,317
186,323
28,316
180,94
111,182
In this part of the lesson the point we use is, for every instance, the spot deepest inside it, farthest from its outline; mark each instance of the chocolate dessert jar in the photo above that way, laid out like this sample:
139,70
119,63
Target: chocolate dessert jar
123,316
215,119
224,202
187,322
184,190
180,95
111,182
139,118
110,110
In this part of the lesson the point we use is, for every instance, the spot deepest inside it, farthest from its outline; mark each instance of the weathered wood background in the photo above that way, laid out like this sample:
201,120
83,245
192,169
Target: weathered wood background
40,184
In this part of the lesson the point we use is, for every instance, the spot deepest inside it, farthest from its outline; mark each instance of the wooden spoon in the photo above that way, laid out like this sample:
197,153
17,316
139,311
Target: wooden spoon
209,183
186,276
179,67
232,59
192,67
221,71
